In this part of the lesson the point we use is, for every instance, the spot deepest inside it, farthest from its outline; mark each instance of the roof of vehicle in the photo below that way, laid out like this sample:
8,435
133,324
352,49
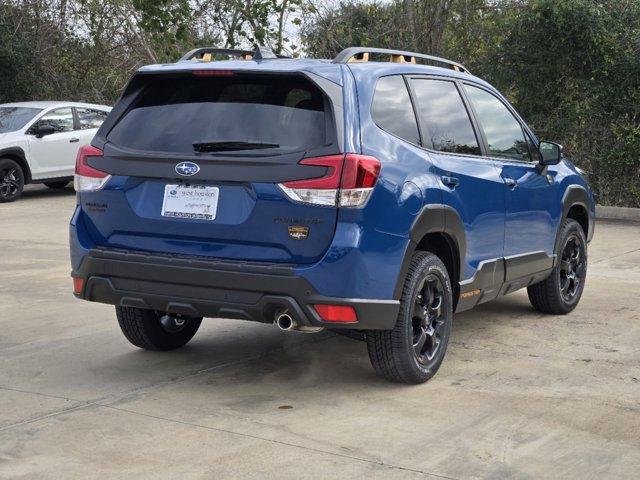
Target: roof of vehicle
324,68
51,104
329,69
281,65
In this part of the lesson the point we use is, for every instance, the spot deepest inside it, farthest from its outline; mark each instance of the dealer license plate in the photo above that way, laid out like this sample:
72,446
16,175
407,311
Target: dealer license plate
190,201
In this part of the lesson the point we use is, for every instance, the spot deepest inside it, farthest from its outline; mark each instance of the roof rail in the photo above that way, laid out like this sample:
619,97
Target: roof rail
361,54
206,54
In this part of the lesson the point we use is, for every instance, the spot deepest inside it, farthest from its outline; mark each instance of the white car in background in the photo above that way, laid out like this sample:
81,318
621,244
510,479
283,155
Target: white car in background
39,142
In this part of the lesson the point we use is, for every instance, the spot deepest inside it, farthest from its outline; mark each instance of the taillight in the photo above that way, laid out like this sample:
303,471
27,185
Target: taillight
87,178
348,181
336,313
359,175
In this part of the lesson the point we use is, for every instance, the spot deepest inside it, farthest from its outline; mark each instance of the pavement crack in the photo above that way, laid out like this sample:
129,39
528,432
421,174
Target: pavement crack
48,415
616,256
105,399
59,397
281,442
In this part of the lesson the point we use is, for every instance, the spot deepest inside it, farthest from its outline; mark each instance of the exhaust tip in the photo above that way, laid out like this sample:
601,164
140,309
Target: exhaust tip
284,321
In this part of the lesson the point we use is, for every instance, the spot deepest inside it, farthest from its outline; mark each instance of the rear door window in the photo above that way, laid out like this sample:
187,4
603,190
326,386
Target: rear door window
392,110
89,118
502,130
271,115
446,122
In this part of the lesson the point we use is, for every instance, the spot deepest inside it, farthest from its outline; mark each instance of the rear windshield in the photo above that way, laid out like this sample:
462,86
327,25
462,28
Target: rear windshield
270,115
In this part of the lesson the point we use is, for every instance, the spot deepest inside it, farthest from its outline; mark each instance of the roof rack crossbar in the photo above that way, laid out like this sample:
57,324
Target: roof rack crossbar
206,54
201,52
359,54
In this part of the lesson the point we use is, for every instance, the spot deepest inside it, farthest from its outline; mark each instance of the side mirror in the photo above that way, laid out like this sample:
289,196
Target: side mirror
550,153
43,130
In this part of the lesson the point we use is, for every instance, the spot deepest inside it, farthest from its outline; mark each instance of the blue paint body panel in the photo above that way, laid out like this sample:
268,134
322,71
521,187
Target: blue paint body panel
350,253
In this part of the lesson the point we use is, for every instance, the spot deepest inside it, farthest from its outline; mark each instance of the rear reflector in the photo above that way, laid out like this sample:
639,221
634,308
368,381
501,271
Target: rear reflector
78,285
337,313
347,182
87,178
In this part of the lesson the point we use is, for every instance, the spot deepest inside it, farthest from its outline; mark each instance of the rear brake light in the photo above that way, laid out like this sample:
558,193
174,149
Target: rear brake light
348,181
359,175
360,171
87,178
337,313
214,73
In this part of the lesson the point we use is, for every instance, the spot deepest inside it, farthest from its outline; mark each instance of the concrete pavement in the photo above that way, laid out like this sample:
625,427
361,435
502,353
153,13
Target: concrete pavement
520,394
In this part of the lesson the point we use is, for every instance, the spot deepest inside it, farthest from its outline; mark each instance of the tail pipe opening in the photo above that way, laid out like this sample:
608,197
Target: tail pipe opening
286,322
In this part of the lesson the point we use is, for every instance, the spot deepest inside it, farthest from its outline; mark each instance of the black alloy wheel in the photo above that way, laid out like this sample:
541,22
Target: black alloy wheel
561,291
11,180
572,268
427,319
414,349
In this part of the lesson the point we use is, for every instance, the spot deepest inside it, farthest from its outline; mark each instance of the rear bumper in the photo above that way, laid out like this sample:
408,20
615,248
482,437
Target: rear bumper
211,288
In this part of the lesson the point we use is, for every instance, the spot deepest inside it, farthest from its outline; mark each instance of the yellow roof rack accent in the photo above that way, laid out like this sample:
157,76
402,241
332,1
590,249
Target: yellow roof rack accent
206,54
358,54
359,58
401,59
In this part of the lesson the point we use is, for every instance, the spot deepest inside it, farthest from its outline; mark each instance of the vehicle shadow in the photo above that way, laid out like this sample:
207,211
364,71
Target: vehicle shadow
35,192
284,362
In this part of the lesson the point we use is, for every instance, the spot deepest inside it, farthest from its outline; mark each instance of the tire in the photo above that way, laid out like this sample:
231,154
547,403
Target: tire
11,180
144,328
560,293
394,353
57,185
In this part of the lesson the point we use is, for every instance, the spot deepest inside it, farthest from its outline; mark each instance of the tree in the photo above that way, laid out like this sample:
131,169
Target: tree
417,25
87,49
571,68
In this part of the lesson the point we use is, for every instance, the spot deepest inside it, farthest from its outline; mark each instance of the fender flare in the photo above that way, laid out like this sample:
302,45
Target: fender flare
434,218
22,159
575,195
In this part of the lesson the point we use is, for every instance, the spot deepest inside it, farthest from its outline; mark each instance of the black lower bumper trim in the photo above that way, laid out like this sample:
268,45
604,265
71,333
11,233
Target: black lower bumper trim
209,288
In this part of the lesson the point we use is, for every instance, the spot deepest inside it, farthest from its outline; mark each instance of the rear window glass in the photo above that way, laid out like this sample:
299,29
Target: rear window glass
186,114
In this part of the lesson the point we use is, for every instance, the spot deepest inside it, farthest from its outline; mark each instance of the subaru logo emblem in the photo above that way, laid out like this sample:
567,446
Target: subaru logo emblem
187,169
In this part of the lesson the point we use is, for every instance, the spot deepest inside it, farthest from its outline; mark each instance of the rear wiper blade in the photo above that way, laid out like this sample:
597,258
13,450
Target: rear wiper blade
231,146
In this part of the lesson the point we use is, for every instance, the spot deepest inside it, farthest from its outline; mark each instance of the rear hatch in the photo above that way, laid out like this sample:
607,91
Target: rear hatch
196,159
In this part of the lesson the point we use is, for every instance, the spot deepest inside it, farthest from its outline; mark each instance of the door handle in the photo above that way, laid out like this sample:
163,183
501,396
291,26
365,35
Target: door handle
451,182
74,140
510,182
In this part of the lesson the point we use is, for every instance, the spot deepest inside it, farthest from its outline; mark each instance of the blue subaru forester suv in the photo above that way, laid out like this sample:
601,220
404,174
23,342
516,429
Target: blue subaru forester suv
375,193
